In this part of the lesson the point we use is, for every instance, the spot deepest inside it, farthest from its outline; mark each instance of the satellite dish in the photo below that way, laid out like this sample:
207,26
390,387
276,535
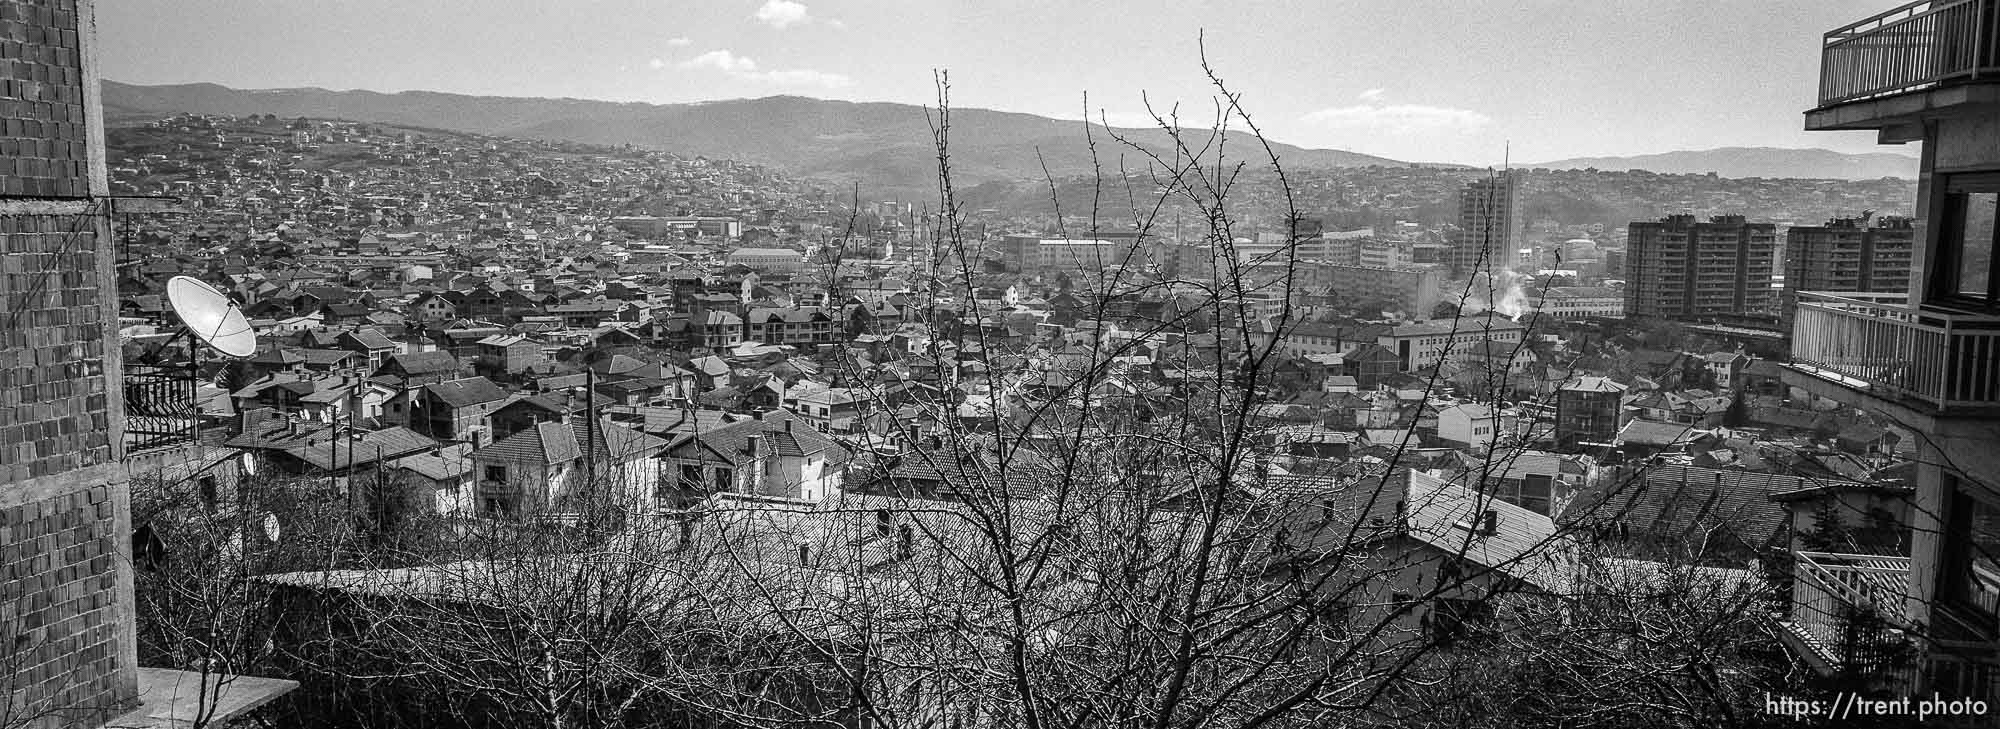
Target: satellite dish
211,316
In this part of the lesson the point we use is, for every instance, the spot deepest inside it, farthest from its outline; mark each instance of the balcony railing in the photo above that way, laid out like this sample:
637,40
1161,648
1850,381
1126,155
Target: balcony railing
161,406
1912,46
1875,342
1830,592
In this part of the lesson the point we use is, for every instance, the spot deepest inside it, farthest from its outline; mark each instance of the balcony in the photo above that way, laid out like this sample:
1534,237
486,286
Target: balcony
1831,593
1911,47
1932,361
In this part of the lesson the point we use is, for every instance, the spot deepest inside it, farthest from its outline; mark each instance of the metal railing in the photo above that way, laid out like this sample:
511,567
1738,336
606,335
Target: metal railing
1911,46
1877,342
161,405
1831,592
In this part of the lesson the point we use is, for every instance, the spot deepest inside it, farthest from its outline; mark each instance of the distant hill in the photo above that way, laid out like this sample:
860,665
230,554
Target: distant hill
882,144
1755,162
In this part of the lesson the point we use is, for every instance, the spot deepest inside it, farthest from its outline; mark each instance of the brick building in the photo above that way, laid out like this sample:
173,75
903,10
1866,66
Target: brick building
68,640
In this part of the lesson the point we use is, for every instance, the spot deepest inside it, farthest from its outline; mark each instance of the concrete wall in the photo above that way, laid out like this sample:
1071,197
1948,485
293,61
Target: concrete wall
67,646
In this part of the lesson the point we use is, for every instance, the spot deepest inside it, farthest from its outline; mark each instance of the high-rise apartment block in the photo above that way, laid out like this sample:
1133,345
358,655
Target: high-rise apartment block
1683,268
1489,224
1849,255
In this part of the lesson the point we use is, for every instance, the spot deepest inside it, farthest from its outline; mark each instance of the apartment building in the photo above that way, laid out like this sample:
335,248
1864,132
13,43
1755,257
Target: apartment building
1412,290
1489,224
1683,268
1924,359
768,260
1848,254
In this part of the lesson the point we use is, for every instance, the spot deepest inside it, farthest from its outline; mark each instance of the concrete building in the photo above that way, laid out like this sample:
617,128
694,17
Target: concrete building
1489,224
1923,360
1579,302
699,225
1412,290
1587,411
769,260
1429,343
1848,255
1682,268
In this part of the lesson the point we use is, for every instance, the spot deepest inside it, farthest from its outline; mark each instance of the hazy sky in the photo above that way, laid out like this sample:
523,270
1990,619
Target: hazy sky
1425,80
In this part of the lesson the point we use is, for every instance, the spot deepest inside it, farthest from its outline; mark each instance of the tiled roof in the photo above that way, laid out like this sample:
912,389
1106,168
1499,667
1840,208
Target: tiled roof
1523,544
447,463
617,442
424,363
545,443
350,450
1676,501
466,392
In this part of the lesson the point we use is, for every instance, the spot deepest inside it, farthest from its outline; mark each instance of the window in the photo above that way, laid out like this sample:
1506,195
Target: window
884,519
1972,558
1965,271
496,473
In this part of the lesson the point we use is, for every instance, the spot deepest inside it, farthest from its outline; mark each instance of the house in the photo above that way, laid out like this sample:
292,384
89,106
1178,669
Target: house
552,466
420,368
1725,367
432,306
368,342
1438,554
514,353
1469,425
772,455
457,410
438,481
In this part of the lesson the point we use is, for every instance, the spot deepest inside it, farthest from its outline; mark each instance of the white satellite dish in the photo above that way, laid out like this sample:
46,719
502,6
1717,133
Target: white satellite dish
211,316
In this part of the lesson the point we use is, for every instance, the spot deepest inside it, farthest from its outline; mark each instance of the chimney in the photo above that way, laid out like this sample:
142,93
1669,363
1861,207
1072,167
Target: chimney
754,445
1489,522
788,425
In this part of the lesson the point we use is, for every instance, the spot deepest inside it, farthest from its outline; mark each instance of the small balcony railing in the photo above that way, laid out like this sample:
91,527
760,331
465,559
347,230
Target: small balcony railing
1943,360
1910,47
1833,593
161,405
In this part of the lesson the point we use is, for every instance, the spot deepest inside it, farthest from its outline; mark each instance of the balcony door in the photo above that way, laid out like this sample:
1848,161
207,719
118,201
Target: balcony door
1965,276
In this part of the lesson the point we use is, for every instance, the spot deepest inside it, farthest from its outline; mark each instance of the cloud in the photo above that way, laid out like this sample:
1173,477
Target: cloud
679,42
657,64
1375,118
721,60
783,14
745,68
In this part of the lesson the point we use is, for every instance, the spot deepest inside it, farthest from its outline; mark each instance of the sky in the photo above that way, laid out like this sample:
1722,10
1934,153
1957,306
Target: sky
1416,80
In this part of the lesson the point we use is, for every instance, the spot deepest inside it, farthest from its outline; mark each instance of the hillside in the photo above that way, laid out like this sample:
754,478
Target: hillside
884,145
1755,162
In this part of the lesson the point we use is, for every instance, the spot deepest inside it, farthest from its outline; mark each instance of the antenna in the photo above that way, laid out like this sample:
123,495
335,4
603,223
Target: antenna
211,317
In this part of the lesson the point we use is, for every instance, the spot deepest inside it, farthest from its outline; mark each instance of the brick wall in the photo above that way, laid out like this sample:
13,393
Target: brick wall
53,399
44,142
58,624
66,643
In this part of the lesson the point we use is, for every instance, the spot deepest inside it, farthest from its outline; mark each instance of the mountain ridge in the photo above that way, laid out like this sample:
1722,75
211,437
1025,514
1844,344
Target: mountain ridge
885,145
1741,162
